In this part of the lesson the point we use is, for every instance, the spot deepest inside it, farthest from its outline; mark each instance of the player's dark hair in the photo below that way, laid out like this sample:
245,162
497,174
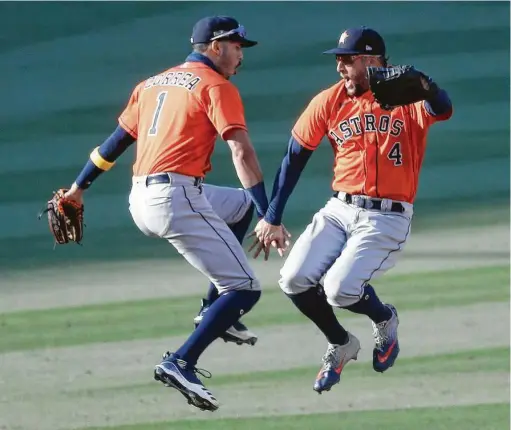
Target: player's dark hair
200,47
384,60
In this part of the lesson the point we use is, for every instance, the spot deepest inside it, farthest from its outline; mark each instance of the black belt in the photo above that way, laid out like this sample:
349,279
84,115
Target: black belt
165,179
368,203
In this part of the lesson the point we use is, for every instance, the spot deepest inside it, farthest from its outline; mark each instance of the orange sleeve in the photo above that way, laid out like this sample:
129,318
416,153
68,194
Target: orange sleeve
225,108
311,126
128,119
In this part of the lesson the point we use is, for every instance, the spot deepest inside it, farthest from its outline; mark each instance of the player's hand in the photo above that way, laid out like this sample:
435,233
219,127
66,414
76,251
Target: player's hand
75,193
267,235
258,246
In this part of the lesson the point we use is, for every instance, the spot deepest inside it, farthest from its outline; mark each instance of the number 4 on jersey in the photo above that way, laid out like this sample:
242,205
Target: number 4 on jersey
160,99
395,154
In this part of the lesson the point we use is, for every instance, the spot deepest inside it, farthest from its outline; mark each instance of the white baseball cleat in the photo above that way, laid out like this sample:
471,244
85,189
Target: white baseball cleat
334,360
174,372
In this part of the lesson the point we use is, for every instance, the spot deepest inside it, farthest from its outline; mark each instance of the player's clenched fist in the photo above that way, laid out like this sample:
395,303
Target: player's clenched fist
267,235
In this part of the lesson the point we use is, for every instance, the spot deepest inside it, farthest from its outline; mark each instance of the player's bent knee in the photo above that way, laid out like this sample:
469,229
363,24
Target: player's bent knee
253,298
255,285
247,299
294,283
252,284
246,284
342,295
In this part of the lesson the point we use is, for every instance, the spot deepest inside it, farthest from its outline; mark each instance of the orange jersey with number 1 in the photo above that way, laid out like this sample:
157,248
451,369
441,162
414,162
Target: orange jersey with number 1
176,117
378,153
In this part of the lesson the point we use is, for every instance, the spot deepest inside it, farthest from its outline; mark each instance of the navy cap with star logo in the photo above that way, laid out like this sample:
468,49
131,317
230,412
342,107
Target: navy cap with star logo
359,41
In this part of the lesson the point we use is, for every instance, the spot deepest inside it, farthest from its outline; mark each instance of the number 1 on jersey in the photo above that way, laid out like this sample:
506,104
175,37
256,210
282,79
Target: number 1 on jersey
160,99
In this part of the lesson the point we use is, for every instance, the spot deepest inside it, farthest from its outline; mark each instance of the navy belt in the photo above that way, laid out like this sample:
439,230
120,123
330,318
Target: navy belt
368,203
164,178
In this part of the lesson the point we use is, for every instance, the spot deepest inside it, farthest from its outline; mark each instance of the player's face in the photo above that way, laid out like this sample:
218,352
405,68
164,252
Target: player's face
352,69
230,57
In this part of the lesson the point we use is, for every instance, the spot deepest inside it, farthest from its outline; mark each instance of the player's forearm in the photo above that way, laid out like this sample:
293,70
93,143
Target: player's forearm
439,104
286,179
250,175
103,157
248,169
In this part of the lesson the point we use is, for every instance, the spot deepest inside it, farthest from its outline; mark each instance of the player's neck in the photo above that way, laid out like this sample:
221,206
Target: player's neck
204,58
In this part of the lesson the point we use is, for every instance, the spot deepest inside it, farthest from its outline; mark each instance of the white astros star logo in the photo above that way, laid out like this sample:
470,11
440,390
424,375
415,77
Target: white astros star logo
343,38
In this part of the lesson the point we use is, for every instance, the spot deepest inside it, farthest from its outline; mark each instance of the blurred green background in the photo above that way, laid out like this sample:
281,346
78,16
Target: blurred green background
68,69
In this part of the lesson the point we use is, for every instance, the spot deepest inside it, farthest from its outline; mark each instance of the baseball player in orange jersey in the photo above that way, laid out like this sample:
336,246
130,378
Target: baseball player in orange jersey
175,117
360,232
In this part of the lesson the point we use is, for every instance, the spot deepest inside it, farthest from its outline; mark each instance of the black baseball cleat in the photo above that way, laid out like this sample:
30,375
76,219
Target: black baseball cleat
238,333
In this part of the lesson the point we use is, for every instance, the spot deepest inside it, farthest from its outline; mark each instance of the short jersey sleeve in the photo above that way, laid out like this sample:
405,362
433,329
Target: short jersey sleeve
311,126
128,119
225,108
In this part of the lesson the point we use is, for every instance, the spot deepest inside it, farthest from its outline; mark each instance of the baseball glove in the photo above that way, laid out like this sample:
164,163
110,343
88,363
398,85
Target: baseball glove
65,218
399,85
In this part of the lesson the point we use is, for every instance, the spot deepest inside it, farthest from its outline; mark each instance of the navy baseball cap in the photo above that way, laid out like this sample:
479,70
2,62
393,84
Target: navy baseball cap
359,41
220,28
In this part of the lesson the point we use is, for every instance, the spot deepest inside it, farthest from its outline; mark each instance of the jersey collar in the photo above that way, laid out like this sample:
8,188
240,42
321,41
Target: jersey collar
199,58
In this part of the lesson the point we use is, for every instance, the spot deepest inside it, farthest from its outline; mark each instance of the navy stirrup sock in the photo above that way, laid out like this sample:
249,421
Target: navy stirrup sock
222,314
313,304
371,305
212,293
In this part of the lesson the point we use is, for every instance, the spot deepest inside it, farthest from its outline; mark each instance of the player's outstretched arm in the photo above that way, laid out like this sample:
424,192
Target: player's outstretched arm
306,136
287,176
250,175
285,181
101,159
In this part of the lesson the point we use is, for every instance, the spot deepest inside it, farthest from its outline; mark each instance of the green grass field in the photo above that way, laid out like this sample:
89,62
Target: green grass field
92,365
143,319
481,417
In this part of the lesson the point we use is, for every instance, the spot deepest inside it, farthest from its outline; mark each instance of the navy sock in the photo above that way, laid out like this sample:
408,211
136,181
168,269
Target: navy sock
240,230
212,293
371,305
221,315
313,304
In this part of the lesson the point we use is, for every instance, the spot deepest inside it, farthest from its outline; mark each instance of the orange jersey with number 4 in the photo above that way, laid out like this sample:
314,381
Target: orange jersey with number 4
378,153
176,117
